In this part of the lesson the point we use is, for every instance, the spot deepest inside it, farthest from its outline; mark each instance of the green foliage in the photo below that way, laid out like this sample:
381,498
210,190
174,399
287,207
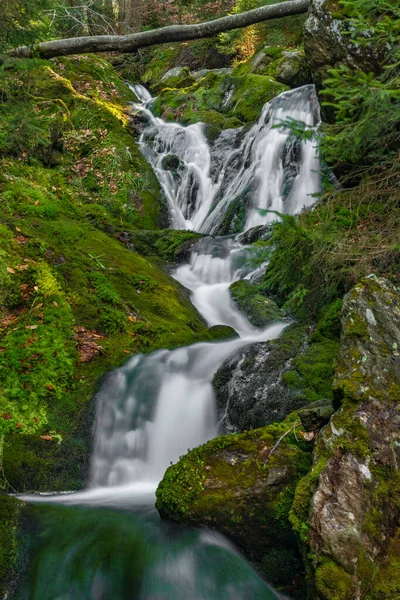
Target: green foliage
104,289
25,22
366,105
112,321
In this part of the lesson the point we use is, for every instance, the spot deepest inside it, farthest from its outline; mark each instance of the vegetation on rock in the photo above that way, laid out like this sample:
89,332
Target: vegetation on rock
243,484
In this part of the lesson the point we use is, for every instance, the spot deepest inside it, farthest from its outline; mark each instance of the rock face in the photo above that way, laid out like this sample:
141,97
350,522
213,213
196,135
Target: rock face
327,42
347,510
241,486
264,382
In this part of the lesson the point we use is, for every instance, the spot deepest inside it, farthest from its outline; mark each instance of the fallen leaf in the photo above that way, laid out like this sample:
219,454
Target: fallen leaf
47,437
10,270
50,387
18,229
308,435
37,203
31,326
131,318
19,425
8,320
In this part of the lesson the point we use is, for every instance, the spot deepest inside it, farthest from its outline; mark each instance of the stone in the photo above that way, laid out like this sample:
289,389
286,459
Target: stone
327,43
264,382
292,69
239,486
354,488
178,77
316,415
256,307
171,162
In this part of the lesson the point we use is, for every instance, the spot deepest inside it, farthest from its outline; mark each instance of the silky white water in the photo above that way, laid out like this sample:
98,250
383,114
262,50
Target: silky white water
266,169
157,406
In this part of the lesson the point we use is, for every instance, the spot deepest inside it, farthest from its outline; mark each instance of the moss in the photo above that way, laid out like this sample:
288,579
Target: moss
69,274
217,98
334,582
182,490
182,80
259,309
235,485
9,520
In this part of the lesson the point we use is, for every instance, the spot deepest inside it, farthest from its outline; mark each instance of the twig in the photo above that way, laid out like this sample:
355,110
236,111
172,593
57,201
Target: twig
280,440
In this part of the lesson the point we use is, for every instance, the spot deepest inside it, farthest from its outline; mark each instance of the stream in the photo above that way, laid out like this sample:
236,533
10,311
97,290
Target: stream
107,542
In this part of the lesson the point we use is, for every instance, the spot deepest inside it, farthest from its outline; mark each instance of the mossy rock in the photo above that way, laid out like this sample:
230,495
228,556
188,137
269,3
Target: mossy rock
240,96
236,484
259,309
171,162
178,77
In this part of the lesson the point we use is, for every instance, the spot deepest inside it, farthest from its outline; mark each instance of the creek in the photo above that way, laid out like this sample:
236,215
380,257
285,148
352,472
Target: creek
107,542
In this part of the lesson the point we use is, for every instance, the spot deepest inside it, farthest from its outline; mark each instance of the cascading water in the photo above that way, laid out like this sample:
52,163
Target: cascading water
266,169
155,407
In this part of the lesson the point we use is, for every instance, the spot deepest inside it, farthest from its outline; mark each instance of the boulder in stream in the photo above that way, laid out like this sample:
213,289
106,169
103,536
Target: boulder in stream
243,485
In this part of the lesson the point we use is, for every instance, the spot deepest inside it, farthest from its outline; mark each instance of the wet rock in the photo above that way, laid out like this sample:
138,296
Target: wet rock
316,415
171,162
353,510
222,332
264,382
239,485
260,232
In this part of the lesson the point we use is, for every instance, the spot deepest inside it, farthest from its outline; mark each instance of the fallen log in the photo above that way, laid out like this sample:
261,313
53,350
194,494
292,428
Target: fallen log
172,33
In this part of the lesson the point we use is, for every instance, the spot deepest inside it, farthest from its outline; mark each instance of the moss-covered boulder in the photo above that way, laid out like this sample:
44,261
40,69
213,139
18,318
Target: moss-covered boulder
264,382
346,510
217,98
178,77
292,69
258,308
286,66
243,485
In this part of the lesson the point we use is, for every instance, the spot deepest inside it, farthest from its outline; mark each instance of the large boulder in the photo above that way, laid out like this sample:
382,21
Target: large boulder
347,509
243,485
327,42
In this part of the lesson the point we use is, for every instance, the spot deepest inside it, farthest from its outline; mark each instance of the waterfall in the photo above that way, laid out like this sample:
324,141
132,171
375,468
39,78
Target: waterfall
264,169
157,406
